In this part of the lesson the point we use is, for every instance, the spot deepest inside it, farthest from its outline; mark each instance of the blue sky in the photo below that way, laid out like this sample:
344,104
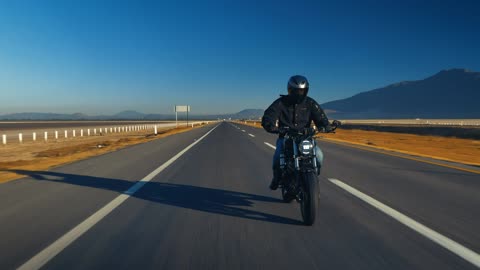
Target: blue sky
102,57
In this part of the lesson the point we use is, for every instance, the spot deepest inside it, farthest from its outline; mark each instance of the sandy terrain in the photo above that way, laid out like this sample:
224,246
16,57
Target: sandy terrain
45,155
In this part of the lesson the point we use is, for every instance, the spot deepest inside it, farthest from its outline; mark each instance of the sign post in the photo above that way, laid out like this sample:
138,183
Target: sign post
181,108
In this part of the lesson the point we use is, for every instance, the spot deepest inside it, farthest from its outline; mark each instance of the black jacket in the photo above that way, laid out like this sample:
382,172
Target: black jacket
296,116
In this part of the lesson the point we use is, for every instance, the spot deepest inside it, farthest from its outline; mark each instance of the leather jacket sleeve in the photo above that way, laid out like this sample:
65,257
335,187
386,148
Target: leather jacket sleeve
318,115
270,117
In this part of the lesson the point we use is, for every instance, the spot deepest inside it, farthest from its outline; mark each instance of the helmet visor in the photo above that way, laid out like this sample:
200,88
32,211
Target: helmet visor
298,91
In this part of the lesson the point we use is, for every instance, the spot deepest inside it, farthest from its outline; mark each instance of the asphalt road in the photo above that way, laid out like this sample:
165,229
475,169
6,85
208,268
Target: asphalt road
211,209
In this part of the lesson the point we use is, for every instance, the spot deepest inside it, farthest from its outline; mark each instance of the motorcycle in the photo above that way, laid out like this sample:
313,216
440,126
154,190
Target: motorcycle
300,169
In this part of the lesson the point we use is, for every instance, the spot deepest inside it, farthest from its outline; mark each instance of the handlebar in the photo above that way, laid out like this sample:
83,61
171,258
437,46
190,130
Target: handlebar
294,132
309,131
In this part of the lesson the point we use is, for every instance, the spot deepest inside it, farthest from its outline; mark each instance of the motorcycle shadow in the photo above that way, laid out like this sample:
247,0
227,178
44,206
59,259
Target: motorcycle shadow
218,201
210,200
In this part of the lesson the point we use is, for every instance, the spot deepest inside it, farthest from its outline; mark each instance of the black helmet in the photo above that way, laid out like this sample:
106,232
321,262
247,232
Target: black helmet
298,88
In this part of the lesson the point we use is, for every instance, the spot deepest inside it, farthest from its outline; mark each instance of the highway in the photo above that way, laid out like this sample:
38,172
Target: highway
200,200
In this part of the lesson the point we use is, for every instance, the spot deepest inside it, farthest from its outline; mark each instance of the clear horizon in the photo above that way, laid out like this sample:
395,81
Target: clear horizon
104,57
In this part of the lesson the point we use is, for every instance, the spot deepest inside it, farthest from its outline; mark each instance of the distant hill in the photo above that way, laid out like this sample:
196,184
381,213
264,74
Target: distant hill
129,115
44,116
453,93
248,114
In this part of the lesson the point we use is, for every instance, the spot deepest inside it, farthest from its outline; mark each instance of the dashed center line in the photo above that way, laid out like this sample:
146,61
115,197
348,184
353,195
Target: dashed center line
243,130
251,135
272,146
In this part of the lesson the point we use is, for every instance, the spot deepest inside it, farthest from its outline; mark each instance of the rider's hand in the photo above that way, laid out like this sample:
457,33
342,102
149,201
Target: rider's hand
330,128
283,130
336,123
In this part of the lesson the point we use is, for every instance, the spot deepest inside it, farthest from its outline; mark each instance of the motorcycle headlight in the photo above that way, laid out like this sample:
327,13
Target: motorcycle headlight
306,147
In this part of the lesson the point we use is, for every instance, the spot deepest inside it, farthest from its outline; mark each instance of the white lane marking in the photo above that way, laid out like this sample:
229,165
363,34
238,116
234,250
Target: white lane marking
467,254
251,135
272,146
243,130
60,244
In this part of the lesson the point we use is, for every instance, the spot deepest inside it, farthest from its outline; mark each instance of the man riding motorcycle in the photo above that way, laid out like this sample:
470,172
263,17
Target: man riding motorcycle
294,111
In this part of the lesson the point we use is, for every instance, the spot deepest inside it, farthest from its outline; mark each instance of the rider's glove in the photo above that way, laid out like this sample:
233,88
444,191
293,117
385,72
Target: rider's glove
330,128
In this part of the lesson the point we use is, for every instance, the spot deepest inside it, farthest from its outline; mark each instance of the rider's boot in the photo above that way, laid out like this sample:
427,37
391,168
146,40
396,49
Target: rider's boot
275,180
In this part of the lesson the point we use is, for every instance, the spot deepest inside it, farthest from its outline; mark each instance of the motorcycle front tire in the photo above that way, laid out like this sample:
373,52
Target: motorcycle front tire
309,202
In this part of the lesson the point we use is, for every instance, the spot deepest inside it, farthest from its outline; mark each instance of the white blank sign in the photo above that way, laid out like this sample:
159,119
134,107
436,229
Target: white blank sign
182,108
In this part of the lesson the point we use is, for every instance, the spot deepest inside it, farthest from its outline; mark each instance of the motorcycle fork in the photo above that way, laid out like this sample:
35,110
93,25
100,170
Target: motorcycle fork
315,165
295,156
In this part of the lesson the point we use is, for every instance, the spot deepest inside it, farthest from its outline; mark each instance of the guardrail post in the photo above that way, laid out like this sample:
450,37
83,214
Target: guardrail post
34,136
81,132
4,139
56,135
46,136
20,137
156,130
94,131
73,133
88,132
66,134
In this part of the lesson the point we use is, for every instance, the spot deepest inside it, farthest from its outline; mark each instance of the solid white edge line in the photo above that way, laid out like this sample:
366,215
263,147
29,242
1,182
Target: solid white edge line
467,254
251,135
272,146
43,257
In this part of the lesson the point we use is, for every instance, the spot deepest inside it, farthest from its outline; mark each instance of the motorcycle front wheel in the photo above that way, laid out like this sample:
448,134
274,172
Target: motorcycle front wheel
309,202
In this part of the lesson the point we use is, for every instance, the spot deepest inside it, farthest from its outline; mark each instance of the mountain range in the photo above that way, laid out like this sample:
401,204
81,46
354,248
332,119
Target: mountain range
129,115
452,93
